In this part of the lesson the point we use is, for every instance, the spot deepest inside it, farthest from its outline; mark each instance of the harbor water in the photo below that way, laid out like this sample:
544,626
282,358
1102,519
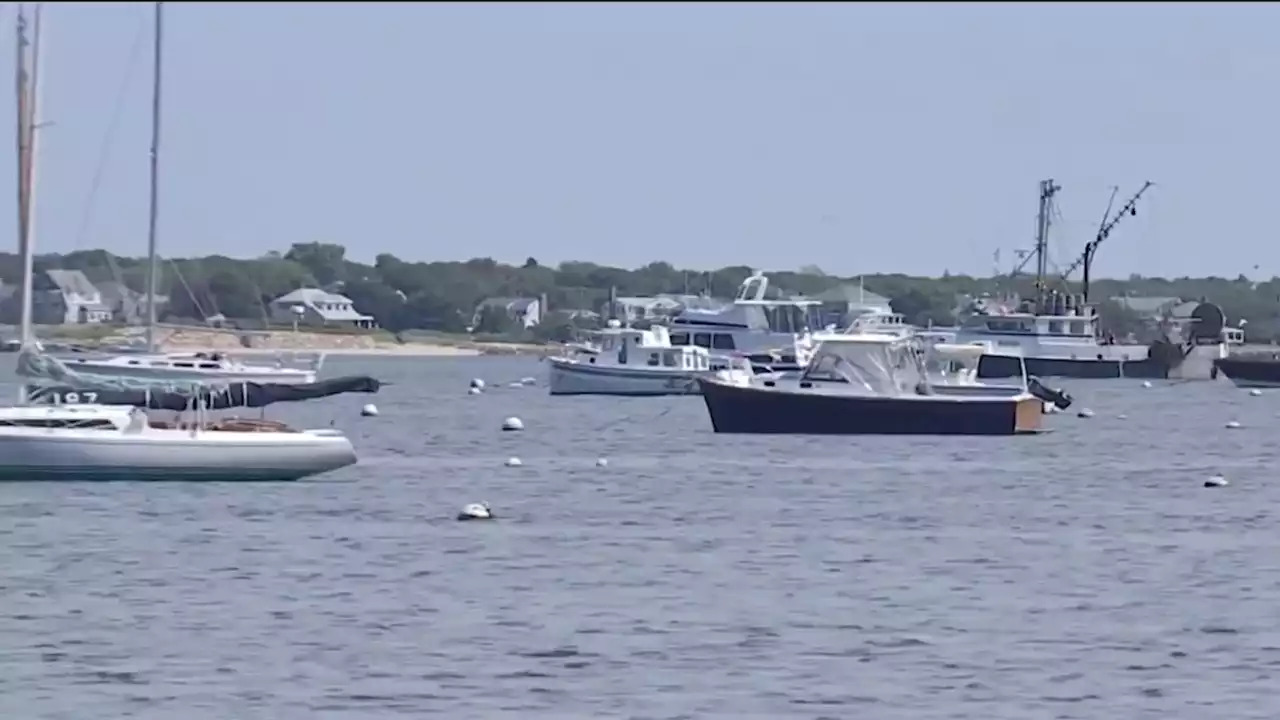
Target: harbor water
1084,573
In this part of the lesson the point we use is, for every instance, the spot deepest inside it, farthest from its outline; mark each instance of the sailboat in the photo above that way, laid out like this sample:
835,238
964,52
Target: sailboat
152,364
121,442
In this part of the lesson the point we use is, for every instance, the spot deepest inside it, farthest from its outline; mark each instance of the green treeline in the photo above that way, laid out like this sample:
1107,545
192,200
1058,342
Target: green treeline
444,296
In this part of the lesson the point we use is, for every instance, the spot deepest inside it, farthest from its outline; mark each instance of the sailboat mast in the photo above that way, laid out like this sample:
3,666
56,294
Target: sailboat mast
154,210
31,211
20,85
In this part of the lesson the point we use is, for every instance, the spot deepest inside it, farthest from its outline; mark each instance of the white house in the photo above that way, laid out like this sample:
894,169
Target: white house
315,307
66,297
525,311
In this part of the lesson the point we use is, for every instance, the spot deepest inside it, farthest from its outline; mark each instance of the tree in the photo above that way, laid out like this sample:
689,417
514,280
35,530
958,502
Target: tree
443,296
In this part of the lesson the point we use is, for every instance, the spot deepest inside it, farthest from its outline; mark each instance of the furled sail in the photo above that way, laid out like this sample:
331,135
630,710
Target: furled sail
228,395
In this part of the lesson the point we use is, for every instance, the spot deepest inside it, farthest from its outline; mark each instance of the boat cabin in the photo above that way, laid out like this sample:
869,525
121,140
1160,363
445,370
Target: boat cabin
879,362
652,348
751,311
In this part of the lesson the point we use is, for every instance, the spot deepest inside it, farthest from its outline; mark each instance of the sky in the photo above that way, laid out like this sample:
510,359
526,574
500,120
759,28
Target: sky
859,138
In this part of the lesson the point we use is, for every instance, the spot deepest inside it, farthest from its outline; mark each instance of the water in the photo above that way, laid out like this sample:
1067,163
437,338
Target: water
1081,574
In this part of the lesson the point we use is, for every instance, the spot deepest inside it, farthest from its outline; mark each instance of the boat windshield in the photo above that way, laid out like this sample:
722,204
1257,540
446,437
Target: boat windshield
880,367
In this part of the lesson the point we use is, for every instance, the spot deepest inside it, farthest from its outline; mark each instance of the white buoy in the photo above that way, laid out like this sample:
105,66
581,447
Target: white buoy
1216,481
369,410
1233,425
1085,413
1255,392
477,383
529,381
473,391
1122,416
476,511
514,462
601,462
512,424
1146,383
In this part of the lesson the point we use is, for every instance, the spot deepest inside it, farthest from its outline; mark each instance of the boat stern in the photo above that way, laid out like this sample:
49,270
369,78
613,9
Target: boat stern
1028,415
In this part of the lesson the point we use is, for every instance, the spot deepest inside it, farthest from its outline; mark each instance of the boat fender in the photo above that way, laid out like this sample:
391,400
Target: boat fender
476,511
1059,398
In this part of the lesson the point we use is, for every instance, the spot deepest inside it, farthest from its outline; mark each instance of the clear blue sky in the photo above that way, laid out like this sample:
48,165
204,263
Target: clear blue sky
859,137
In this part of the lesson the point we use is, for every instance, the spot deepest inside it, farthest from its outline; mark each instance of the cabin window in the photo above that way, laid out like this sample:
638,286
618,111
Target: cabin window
654,359
208,366
702,340
680,338
670,360
183,365
1077,327
1055,327
722,341
133,362
1006,326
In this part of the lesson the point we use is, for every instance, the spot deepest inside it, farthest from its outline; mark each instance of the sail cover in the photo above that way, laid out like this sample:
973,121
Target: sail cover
230,395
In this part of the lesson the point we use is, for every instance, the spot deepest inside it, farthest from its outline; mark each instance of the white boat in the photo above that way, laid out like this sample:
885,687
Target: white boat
1059,334
105,442
99,442
773,334
628,361
191,367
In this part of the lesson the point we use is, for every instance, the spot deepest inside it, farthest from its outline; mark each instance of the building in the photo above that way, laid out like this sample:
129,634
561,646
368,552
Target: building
127,305
314,307
66,297
525,312
1148,308
843,303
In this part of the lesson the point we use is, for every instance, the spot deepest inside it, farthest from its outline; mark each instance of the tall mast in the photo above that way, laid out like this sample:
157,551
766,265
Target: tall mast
20,85
1044,220
33,121
154,209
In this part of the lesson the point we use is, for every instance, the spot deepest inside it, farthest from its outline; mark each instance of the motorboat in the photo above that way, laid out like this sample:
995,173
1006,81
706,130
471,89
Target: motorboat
630,361
867,384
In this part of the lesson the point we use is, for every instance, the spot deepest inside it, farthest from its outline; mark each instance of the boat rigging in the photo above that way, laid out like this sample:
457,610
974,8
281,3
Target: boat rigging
1085,261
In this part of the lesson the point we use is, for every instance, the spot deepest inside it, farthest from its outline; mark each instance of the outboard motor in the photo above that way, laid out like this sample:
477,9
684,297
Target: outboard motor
1059,398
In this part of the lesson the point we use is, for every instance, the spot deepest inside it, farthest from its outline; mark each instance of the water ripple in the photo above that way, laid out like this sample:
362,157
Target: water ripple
1080,574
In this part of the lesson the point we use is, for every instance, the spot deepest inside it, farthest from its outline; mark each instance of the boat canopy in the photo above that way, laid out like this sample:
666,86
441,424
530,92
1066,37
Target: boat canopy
881,363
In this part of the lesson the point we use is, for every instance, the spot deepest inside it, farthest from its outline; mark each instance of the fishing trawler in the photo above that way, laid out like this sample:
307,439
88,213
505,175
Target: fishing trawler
1059,334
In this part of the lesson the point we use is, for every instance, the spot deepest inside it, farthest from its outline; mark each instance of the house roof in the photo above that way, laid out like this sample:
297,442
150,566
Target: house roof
649,302
512,304
319,300
72,281
1146,305
310,296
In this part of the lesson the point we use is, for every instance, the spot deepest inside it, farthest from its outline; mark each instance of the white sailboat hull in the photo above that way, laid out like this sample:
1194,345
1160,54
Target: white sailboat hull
133,366
63,454
569,377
